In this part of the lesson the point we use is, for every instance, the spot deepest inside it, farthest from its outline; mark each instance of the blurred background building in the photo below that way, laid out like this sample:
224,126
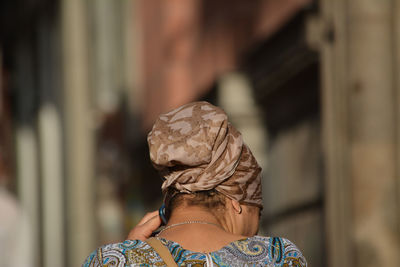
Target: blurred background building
314,86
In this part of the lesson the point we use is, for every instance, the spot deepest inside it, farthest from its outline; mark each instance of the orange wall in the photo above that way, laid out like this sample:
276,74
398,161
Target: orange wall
187,44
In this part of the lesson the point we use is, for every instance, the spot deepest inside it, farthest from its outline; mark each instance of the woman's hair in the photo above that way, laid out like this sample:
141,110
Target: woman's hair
211,200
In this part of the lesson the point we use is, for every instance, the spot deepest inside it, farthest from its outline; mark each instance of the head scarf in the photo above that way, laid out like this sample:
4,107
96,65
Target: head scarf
195,148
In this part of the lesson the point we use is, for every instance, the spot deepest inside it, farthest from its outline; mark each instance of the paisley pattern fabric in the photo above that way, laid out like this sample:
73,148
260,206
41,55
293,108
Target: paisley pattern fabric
195,148
254,251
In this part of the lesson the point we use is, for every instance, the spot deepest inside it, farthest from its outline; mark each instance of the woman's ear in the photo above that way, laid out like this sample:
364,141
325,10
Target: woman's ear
236,206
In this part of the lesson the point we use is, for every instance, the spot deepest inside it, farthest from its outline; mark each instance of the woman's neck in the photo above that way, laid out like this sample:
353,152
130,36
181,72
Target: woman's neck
193,213
189,224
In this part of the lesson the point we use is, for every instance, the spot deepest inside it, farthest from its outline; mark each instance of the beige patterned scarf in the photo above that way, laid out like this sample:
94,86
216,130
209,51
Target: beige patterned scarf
195,148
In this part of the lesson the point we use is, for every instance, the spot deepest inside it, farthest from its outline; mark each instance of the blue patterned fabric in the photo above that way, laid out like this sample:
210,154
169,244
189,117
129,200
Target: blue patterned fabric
253,251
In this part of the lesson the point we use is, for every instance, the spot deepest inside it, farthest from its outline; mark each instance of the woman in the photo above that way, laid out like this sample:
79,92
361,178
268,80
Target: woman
212,194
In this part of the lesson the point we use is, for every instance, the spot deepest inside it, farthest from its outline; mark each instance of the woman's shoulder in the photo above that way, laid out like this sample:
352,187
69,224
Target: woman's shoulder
129,252
270,251
276,251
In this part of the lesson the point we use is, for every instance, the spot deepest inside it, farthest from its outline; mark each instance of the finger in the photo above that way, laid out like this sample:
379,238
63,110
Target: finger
144,231
147,217
150,226
135,234
153,223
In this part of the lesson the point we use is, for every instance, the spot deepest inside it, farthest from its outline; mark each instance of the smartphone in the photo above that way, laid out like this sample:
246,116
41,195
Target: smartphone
161,212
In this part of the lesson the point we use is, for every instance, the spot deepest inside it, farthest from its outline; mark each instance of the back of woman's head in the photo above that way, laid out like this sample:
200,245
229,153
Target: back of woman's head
211,200
196,149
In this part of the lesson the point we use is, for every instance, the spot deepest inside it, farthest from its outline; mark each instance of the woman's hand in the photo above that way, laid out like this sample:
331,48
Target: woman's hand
147,225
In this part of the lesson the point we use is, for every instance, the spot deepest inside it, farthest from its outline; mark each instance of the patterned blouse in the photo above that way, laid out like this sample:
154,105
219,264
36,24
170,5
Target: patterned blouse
253,251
